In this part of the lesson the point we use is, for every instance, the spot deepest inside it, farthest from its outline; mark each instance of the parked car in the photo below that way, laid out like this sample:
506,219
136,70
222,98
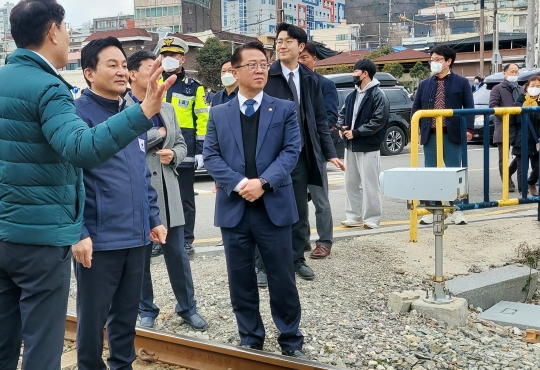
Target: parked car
398,133
481,100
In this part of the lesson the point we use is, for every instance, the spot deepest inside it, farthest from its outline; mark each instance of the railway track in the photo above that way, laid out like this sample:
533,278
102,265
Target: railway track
196,354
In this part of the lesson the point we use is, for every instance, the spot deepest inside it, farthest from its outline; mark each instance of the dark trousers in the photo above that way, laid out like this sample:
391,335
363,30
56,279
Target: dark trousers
34,290
108,294
300,230
533,176
274,244
179,271
512,167
186,181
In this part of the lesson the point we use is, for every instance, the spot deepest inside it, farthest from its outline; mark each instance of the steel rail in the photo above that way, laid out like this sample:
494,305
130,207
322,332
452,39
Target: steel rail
197,354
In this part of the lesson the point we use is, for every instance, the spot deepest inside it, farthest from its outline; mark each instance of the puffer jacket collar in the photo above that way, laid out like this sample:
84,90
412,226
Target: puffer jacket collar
26,57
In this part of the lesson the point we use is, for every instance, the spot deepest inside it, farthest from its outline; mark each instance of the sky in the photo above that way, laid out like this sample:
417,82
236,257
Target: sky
78,11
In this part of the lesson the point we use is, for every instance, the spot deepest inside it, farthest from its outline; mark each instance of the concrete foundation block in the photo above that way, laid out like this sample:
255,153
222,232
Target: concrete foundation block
519,315
454,313
400,302
490,287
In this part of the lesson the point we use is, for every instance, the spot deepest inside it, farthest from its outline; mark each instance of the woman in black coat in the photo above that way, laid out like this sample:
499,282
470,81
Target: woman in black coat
530,98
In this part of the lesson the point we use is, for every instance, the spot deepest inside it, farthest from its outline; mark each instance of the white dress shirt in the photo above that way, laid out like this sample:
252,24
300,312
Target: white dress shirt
242,102
296,77
46,61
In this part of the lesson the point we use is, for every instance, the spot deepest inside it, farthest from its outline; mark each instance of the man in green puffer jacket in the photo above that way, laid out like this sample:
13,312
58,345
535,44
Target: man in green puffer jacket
43,147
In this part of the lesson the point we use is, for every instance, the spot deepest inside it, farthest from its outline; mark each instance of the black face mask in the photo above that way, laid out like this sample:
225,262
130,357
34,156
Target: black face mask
357,81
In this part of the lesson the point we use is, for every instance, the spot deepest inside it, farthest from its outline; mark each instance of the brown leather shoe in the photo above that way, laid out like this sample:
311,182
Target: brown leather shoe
321,251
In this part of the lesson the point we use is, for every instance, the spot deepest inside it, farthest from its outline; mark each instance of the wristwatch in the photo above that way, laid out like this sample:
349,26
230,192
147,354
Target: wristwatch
265,184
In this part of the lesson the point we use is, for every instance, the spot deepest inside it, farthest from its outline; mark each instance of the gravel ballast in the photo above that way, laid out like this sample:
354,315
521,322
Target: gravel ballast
345,320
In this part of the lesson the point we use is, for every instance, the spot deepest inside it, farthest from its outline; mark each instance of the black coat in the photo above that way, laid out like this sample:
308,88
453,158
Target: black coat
319,144
500,96
369,127
515,129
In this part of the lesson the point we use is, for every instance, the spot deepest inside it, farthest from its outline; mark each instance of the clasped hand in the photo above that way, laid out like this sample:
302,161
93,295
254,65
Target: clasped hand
251,190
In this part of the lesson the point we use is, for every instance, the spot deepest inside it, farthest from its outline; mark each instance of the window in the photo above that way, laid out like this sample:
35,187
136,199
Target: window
521,3
465,7
263,2
159,12
272,16
176,10
152,12
502,4
147,12
190,11
342,37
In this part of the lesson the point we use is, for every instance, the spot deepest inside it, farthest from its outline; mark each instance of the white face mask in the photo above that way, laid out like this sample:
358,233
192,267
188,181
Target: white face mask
436,68
511,78
170,64
533,91
228,79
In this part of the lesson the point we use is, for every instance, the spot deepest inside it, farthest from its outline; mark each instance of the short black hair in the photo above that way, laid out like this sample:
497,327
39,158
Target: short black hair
311,49
236,58
228,60
478,78
446,51
90,53
293,31
31,19
506,66
366,65
135,60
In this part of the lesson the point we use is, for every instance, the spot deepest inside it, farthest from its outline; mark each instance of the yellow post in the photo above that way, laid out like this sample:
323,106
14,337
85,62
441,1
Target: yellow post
505,150
439,141
413,215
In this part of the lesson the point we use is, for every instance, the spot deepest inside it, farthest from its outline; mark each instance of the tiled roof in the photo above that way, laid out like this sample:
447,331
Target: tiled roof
235,37
342,58
187,38
119,34
407,54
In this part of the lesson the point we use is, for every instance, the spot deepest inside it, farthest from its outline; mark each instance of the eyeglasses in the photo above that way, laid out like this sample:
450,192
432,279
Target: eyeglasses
286,42
253,66
438,60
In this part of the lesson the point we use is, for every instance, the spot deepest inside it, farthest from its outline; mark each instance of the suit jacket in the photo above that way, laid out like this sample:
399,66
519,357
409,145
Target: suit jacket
319,144
330,97
164,177
457,95
278,148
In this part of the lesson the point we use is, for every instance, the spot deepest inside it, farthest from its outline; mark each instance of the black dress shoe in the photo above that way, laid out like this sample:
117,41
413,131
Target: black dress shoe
262,279
303,270
251,346
156,250
189,249
295,353
197,322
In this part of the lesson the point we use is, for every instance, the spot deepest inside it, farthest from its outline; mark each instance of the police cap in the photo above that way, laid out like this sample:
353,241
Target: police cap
172,44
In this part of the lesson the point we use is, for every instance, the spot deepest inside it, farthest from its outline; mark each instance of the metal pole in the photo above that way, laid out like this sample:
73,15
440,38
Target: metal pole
482,31
495,38
538,48
486,158
279,11
531,12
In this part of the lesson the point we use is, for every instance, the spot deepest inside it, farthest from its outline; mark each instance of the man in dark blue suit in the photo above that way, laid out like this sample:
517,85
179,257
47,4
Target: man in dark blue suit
251,147
444,90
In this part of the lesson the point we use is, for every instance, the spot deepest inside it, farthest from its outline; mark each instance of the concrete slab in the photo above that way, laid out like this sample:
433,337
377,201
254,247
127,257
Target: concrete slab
521,315
400,302
490,287
454,313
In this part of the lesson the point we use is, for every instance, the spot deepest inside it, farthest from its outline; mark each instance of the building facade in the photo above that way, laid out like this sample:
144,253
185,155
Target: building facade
461,20
343,37
5,10
258,17
111,23
184,16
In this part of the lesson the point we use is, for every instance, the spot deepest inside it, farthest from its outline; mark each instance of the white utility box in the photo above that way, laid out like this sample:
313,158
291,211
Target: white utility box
437,184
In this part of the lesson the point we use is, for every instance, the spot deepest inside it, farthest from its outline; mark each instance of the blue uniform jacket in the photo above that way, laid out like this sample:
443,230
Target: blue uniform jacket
121,204
221,97
457,95
330,97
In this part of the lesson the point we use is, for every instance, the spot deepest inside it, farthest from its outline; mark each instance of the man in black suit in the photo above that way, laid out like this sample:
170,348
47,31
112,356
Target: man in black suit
319,195
293,81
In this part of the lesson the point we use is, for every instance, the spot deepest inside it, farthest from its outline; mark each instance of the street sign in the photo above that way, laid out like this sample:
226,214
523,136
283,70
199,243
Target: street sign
497,59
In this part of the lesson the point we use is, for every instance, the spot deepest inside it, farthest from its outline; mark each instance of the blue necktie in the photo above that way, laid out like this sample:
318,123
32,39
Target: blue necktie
249,107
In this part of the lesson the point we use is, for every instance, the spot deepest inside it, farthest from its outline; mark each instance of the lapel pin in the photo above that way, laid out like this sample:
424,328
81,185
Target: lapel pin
270,109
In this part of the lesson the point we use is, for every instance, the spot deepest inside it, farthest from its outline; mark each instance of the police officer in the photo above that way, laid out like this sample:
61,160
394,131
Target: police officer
188,99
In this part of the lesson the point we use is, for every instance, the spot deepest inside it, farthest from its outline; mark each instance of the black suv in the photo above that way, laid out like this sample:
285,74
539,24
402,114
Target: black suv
481,100
398,133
